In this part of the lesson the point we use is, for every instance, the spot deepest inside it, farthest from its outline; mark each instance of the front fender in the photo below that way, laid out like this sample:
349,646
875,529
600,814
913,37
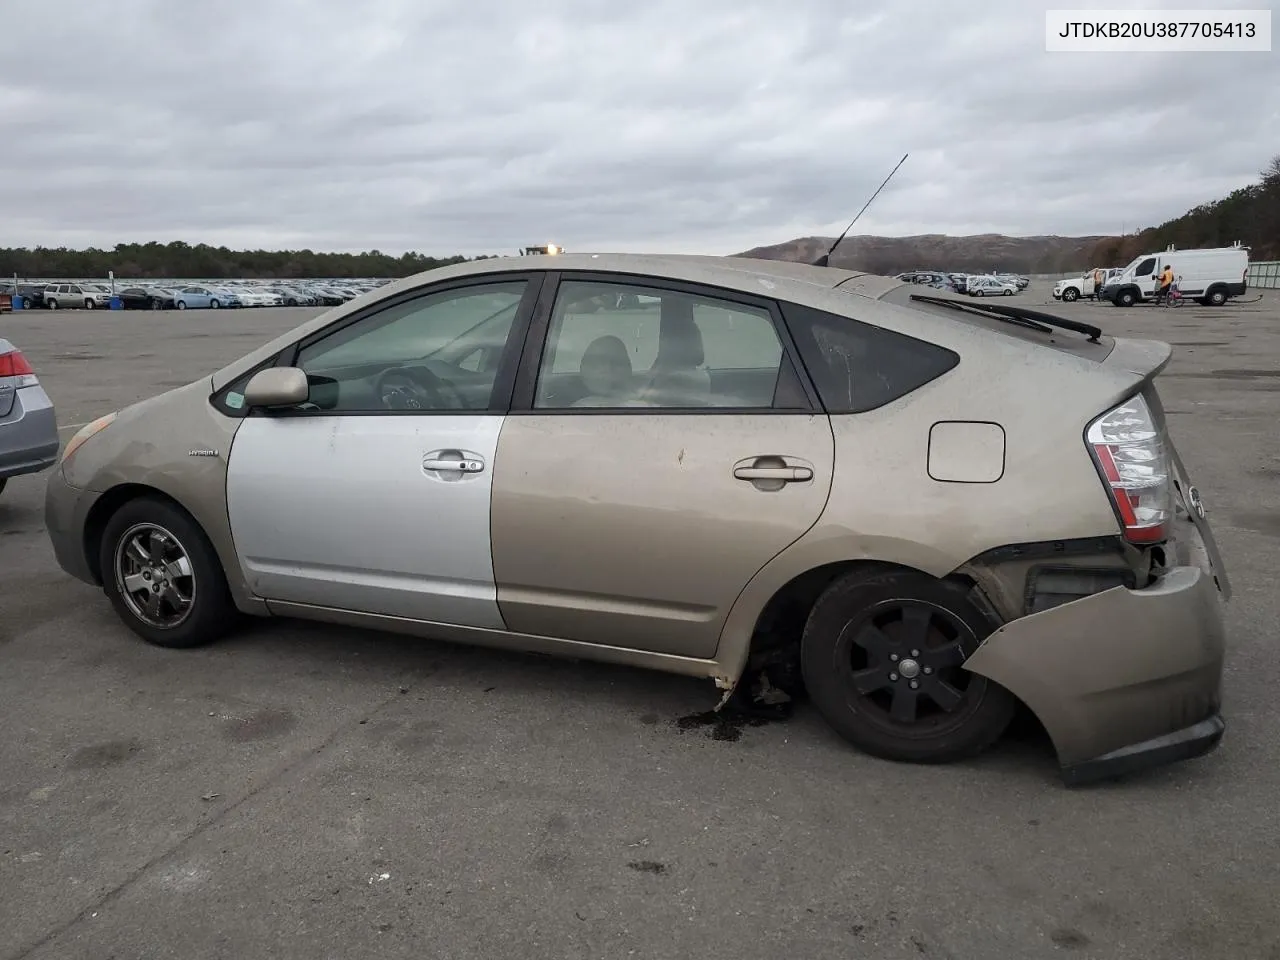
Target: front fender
178,444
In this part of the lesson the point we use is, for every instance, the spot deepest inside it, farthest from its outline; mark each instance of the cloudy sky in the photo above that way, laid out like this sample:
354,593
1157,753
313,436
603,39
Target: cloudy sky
708,126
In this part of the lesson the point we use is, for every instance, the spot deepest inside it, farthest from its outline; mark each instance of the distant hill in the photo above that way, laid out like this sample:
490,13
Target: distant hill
1250,215
982,252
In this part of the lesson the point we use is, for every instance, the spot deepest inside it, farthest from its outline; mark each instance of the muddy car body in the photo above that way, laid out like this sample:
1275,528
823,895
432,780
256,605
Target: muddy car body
685,463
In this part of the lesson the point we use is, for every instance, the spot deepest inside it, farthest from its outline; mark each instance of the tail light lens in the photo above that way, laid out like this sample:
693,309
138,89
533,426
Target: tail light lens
1132,458
14,364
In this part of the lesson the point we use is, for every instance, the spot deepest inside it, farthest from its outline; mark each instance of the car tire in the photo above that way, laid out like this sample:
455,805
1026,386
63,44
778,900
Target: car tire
1008,293
214,304
88,303
155,304
1071,294
26,303
181,304
857,660
1125,299
1216,298
161,525
52,304
978,293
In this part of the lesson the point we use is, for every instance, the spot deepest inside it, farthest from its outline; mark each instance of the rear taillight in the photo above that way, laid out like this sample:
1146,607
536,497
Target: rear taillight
14,364
1134,463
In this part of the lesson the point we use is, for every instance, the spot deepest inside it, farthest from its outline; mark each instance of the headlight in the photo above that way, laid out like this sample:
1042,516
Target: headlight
85,432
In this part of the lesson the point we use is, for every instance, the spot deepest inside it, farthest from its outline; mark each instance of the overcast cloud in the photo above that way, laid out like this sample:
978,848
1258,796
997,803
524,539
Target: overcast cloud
701,126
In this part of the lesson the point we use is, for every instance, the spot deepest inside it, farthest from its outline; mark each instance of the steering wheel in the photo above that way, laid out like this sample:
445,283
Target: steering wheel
417,388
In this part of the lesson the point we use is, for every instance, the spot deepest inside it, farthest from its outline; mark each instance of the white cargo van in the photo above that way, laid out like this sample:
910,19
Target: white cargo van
1210,276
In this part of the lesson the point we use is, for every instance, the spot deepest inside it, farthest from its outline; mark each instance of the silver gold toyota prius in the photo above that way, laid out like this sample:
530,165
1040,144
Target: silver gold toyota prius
685,463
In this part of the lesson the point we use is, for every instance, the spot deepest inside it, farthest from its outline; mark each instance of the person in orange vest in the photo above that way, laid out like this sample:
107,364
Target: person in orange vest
1166,282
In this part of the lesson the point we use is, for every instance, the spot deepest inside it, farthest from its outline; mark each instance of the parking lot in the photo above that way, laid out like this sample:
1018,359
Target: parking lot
302,791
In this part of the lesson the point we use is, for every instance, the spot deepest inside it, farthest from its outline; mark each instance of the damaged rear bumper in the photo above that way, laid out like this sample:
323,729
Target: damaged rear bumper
1185,744
1121,680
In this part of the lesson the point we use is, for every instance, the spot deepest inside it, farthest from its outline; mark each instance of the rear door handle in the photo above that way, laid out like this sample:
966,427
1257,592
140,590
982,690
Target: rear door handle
785,474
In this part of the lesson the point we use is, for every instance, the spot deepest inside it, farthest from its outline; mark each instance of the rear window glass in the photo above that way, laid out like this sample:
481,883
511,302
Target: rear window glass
856,366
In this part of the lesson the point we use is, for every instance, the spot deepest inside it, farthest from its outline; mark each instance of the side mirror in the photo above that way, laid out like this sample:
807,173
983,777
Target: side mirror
277,387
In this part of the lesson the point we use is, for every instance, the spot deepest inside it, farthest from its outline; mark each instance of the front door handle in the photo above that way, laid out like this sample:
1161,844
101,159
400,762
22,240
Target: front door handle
457,466
785,474
452,461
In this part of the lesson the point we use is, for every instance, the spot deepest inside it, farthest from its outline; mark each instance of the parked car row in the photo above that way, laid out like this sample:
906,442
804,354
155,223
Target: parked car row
978,285
88,295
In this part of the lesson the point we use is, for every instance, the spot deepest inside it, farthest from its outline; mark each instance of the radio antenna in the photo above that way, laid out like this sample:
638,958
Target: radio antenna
825,259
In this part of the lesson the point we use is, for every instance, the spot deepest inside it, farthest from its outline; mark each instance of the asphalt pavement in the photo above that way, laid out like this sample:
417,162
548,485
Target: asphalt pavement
300,791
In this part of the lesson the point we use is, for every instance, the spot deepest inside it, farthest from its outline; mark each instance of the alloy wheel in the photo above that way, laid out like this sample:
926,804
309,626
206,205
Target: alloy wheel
153,573
902,660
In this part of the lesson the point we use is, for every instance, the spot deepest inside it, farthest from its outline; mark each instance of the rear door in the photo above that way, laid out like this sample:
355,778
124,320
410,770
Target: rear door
374,497
661,449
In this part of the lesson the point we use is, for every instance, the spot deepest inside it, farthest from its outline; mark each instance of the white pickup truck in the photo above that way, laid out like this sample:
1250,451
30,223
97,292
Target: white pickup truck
1073,288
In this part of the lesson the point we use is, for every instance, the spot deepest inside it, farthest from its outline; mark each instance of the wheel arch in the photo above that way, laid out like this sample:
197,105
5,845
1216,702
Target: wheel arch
108,505
1207,296
772,609
1129,288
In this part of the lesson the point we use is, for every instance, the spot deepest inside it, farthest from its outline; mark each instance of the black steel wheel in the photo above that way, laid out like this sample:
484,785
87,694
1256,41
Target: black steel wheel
883,662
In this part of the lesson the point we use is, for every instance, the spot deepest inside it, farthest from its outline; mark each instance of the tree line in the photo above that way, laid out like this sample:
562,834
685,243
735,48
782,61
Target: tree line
1250,215
180,259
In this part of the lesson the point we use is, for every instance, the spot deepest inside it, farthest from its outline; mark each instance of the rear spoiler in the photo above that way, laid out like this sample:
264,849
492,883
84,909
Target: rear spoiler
1145,358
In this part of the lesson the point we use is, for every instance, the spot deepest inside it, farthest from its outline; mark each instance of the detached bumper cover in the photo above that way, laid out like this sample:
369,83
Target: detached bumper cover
1121,674
1186,744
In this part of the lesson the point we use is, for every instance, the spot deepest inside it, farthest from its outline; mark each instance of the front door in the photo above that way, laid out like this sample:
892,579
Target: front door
374,497
665,452
1145,277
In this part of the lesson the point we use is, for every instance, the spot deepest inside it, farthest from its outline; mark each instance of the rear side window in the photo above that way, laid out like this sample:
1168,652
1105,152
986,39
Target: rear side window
857,367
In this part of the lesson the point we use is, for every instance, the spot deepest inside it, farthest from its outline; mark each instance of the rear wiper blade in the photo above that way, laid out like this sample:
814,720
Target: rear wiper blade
1022,314
977,311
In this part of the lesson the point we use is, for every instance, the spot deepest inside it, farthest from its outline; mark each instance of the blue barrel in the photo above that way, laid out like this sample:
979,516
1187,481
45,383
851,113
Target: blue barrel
116,303
17,301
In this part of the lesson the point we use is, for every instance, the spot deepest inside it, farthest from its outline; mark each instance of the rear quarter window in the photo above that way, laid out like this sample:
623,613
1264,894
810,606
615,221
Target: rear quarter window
858,367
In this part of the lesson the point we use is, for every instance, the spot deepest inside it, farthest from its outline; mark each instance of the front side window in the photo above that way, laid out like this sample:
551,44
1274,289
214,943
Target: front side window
623,346
1145,267
437,351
